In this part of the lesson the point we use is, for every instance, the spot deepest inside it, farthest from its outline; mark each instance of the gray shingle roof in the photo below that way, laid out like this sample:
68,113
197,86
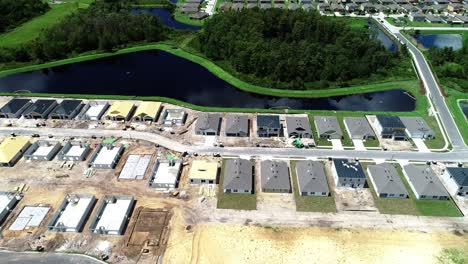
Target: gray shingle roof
237,124
460,175
40,106
424,180
270,121
311,176
14,105
208,121
358,126
386,177
298,124
327,125
275,175
348,168
66,107
416,125
238,174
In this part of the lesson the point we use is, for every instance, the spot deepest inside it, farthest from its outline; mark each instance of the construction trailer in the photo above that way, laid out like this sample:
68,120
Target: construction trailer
72,214
42,150
113,215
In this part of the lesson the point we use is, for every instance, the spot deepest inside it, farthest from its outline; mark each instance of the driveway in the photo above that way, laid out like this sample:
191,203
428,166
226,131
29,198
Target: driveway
336,143
359,145
419,142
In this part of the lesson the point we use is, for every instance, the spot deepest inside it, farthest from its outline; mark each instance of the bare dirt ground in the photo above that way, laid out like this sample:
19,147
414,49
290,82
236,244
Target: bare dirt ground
252,244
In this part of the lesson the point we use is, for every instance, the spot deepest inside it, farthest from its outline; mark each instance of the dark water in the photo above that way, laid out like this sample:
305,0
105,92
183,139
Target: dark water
157,73
166,18
440,41
387,42
464,107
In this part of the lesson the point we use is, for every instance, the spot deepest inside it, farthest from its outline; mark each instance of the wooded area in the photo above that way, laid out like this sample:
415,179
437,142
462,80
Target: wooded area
293,47
16,12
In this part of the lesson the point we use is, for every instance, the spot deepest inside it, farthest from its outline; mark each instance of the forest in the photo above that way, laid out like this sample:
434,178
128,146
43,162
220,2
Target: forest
16,12
293,47
105,25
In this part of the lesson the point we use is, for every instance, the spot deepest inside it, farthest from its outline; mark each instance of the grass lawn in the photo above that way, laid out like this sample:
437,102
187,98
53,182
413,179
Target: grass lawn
346,141
371,143
407,22
438,141
235,200
31,29
185,18
310,203
354,22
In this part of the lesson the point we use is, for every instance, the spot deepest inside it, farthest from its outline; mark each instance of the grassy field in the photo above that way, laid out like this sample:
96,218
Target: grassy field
234,200
310,203
185,18
346,141
408,23
31,29
372,143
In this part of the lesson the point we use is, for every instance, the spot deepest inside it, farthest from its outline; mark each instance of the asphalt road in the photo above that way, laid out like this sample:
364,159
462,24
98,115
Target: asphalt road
457,155
9,257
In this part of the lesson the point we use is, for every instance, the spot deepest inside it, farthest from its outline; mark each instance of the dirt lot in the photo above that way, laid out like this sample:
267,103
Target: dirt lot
250,244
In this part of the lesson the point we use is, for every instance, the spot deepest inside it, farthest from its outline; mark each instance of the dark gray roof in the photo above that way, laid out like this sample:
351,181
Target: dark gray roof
416,125
269,121
199,15
348,168
207,121
460,175
237,124
237,174
358,126
40,106
386,177
299,124
390,121
66,107
327,125
311,176
14,105
424,180
275,175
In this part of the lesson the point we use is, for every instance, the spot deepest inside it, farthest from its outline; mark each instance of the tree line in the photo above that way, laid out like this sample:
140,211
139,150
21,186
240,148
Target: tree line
16,12
451,64
293,47
105,25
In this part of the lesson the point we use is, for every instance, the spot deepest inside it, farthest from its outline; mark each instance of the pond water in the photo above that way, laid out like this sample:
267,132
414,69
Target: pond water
158,73
387,42
440,41
464,108
166,18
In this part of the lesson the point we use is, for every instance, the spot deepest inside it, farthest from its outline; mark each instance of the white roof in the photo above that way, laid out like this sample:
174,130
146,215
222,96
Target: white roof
106,156
75,151
43,150
30,216
73,213
113,215
177,115
135,167
4,201
166,173
95,109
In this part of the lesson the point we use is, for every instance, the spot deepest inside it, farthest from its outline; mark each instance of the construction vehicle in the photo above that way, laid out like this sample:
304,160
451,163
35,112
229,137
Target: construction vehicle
297,143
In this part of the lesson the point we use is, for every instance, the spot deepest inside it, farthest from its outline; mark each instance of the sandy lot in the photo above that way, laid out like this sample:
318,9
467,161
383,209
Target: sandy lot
251,244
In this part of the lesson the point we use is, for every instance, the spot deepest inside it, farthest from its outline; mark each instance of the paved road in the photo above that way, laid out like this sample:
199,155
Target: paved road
9,257
432,88
457,155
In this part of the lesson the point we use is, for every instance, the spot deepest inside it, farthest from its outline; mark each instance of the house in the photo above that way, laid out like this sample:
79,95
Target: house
307,7
72,214
74,151
11,150
238,176
203,171
439,8
200,15
328,127
42,150
237,126
175,117
165,174
237,6
268,126
311,178
94,110
189,8
120,111
208,124
454,8
147,111
293,6
416,127
453,20
14,108
351,7
386,181
275,176
106,156
251,5
424,182
417,17
298,126
265,6
368,8
441,2
323,7
348,173
393,8
8,201
407,8
337,8
390,127
456,179
434,19
40,109
112,215
359,128
67,109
